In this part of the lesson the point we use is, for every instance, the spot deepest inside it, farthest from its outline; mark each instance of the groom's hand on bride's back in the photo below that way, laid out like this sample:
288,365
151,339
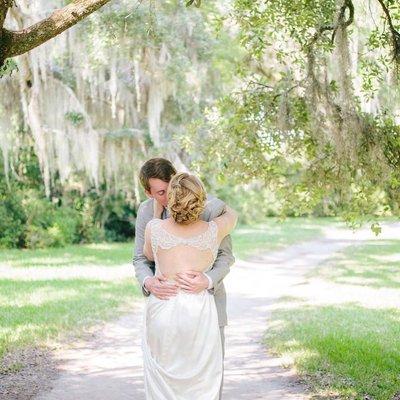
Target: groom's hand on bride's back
159,287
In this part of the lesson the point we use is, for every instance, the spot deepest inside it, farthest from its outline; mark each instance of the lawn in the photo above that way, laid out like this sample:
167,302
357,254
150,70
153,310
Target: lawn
108,254
47,293
273,234
348,349
35,311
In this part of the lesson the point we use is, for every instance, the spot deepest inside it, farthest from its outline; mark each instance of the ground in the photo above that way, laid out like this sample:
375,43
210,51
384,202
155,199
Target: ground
107,364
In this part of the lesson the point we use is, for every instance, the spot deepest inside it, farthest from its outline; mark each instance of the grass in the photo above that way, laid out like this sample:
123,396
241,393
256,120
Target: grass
346,351
374,264
249,241
108,254
34,311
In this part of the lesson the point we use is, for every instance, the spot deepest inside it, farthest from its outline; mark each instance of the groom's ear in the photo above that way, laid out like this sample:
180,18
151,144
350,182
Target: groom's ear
148,194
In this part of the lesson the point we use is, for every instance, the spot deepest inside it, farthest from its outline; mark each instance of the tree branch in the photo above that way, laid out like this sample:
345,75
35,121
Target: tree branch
18,42
393,31
347,4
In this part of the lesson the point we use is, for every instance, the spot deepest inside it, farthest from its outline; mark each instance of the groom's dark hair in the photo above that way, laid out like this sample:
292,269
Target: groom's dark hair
159,168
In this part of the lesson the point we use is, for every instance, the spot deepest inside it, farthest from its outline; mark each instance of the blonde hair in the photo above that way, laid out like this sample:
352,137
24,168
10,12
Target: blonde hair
186,198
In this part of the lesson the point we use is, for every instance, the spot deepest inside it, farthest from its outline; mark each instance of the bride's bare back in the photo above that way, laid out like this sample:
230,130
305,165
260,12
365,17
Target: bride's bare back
178,252
178,248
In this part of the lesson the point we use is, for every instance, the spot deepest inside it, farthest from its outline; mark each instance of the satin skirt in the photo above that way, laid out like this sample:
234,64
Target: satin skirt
182,350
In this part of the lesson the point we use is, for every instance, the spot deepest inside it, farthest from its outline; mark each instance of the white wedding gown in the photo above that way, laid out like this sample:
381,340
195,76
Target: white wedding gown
181,343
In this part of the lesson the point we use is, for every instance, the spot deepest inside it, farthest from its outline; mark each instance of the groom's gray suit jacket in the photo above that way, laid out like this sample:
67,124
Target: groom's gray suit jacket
144,267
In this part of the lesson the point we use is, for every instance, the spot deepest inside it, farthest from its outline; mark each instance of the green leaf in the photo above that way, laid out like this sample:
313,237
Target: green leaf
8,67
197,3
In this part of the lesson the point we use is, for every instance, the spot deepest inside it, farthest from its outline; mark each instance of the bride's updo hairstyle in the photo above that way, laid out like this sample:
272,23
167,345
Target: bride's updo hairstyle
186,198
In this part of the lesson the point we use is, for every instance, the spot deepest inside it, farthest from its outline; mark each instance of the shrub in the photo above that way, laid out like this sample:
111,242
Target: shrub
50,225
12,219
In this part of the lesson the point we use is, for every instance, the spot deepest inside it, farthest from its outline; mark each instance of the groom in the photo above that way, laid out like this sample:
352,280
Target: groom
155,175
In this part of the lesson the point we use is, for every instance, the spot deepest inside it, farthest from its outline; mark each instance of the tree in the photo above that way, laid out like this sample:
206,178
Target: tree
109,92
13,43
315,113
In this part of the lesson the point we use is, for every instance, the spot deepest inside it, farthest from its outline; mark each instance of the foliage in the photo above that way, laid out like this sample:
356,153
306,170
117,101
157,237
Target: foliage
12,219
31,220
299,121
8,67
75,117
270,104
47,224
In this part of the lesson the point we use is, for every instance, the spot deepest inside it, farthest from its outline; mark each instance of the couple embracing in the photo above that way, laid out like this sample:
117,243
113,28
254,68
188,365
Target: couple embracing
183,252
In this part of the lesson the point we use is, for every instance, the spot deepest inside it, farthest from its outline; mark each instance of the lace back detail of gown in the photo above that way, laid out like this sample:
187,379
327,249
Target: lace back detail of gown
206,240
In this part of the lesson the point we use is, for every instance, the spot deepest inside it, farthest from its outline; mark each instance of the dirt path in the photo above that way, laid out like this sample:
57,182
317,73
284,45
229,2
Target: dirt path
109,366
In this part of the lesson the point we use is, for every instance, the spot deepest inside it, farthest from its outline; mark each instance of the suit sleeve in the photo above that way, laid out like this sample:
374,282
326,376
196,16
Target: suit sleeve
225,258
143,267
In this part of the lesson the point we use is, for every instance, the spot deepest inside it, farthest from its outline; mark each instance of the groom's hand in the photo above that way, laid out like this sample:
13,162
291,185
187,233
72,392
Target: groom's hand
192,281
158,286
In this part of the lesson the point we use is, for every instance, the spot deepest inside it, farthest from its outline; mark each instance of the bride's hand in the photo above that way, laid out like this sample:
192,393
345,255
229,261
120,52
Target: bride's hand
192,281
158,208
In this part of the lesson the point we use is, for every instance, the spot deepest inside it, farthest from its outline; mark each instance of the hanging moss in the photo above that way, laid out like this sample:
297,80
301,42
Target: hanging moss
104,75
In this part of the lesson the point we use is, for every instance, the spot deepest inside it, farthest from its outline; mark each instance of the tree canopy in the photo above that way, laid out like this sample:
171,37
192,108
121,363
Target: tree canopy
315,112
291,103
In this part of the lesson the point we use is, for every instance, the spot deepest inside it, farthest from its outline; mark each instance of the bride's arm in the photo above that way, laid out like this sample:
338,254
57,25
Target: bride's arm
226,222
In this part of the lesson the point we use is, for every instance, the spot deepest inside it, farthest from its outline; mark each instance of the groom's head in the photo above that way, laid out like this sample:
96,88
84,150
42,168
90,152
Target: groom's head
154,176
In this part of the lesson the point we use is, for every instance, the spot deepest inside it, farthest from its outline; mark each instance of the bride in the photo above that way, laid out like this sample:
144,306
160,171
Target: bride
181,343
